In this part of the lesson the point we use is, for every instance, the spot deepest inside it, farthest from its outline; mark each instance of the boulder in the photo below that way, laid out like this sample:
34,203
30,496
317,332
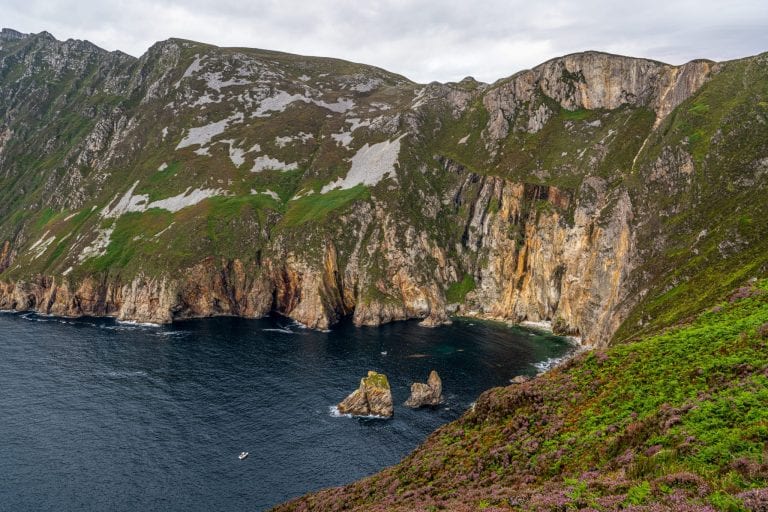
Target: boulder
429,394
520,379
372,398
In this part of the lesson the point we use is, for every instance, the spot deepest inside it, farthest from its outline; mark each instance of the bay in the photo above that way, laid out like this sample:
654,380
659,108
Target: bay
97,415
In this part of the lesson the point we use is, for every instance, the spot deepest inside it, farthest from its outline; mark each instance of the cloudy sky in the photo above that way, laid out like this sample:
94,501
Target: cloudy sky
423,40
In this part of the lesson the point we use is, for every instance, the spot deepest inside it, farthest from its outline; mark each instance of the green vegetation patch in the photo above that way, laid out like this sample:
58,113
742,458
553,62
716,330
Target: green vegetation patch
316,207
376,380
458,290
575,115
128,238
44,218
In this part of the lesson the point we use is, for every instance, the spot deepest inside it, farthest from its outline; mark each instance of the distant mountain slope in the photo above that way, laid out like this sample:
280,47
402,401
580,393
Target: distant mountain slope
199,181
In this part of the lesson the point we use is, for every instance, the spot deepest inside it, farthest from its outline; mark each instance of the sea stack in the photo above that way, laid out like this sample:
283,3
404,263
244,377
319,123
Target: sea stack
372,398
429,394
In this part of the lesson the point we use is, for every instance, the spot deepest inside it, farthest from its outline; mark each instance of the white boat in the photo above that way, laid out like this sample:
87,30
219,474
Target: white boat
242,455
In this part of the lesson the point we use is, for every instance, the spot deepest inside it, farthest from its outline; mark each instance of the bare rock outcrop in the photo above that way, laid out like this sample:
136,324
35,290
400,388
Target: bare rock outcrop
591,80
429,394
6,256
372,398
211,288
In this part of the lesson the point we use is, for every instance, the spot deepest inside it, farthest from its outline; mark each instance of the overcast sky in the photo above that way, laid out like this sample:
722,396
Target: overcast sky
423,40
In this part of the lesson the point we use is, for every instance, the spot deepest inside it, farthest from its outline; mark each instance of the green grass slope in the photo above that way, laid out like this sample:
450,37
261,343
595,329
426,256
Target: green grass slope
675,421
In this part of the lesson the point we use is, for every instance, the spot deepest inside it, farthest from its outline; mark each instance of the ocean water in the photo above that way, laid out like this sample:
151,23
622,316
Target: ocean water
96,415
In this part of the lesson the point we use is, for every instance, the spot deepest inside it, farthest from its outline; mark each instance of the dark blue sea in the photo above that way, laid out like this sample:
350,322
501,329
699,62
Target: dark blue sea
101,416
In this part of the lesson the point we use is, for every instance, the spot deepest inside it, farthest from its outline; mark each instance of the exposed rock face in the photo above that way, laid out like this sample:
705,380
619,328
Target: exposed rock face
592,80
372,398
6,257
429,394
209,289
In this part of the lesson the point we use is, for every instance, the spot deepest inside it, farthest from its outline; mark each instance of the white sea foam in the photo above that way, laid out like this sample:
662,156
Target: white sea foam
554,362
551,362
297,325
333,411
134,323
171,333
283,331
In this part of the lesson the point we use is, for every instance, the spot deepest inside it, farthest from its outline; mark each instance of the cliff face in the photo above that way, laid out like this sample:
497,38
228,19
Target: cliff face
592,80
201,181
542,265
210,288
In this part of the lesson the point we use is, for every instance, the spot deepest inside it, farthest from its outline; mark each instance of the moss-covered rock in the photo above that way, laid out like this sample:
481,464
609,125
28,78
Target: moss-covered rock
372,398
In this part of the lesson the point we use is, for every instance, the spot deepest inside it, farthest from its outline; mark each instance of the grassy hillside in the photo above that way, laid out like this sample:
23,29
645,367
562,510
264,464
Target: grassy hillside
676,421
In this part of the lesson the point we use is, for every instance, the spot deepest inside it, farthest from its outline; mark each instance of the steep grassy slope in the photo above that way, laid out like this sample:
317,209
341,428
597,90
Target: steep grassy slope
709,234
676,421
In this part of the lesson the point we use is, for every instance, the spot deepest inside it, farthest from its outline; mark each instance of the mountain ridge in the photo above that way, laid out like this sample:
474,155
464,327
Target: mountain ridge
13,34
